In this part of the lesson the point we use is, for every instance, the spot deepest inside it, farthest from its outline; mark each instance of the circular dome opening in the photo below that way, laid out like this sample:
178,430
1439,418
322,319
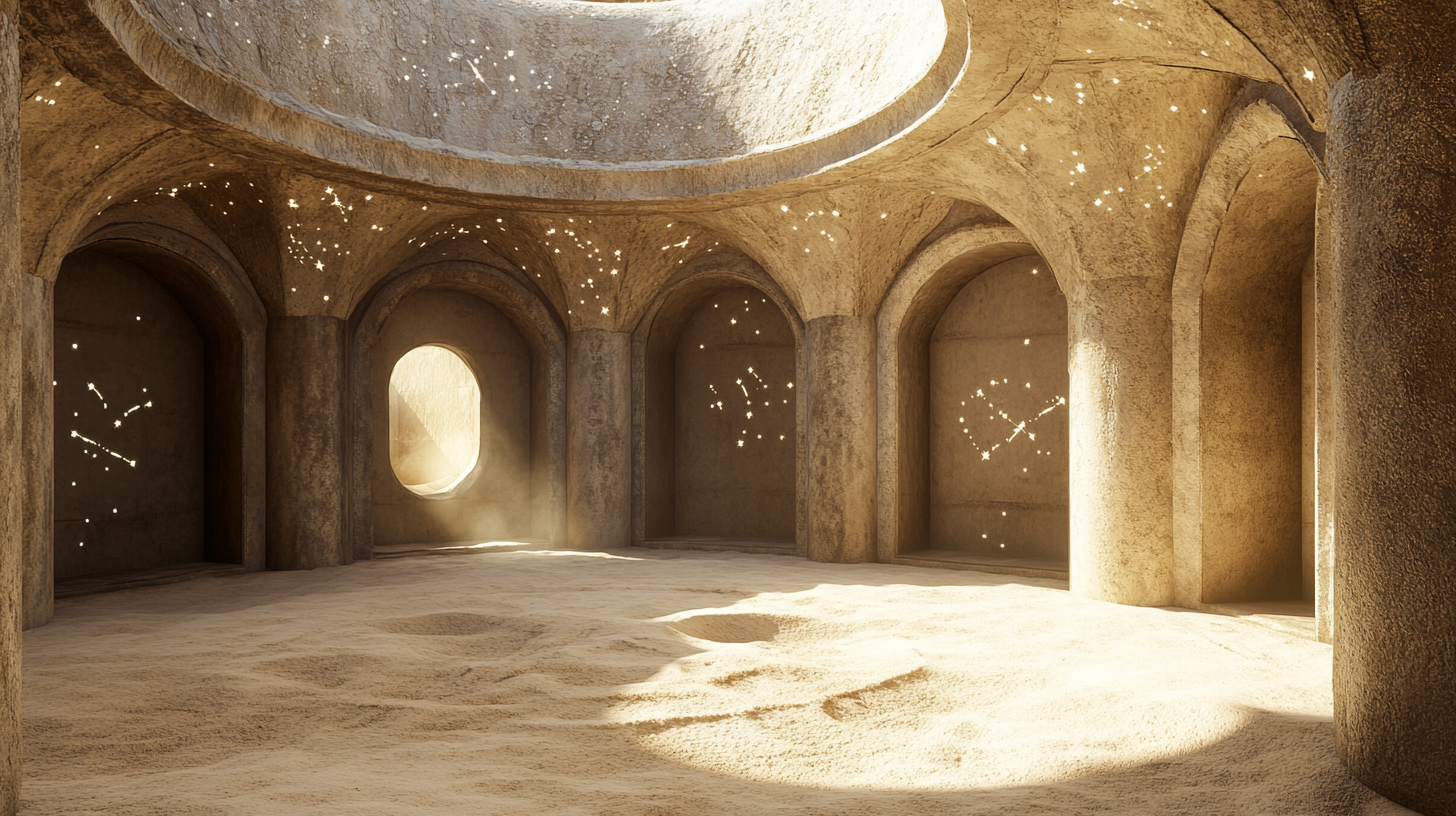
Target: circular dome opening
434,420
559,98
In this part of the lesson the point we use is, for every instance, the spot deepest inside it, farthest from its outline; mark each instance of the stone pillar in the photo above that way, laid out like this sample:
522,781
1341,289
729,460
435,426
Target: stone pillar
307,488
38,440
1325,506
1392,164
839,385
1121,430
12,470
598,440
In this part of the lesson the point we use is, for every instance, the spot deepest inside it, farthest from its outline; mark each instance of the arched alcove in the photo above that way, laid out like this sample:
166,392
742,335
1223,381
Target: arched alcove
718,449
491,498
130,438
156,366
1255,388
734,434
997,410
972,348
484,330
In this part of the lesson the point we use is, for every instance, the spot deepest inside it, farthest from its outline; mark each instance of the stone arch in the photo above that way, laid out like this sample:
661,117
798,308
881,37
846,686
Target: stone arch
212,288
1256,203
544,339
654,423
908,317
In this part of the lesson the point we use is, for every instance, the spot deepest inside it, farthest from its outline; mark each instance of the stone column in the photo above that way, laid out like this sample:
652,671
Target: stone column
12,470
37,396
1392,163
1121,430
1325,507
598,440
840,438
307,487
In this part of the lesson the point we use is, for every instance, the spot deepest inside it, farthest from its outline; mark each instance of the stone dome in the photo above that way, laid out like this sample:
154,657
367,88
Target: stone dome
634,100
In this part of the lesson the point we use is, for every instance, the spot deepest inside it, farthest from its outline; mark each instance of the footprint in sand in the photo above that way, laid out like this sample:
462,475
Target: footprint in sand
894,694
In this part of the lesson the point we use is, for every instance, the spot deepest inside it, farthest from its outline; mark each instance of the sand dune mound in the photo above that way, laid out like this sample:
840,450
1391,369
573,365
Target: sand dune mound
729,628
657,682
448,624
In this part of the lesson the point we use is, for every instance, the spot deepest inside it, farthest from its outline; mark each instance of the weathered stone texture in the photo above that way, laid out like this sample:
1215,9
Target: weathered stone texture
12,471
1392,154
840,431
598,443
306,427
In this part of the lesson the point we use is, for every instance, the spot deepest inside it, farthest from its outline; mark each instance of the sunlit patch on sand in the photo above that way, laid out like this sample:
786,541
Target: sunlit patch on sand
625,682
796,699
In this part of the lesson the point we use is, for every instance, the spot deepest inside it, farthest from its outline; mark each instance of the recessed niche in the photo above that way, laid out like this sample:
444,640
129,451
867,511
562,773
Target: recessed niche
454,412
1255,391
973,355
997,417
720,424
434,420
130,422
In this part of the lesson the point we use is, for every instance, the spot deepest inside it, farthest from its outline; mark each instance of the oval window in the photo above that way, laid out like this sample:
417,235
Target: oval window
434,420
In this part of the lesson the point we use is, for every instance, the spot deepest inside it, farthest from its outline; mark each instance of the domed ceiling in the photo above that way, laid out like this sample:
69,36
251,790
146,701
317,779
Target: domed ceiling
732,92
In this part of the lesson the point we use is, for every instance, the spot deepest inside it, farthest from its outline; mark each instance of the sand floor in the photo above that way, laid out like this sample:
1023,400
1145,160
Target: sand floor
652,682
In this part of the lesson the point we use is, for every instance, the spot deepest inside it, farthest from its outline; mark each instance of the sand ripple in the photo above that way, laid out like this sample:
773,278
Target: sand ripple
647,682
